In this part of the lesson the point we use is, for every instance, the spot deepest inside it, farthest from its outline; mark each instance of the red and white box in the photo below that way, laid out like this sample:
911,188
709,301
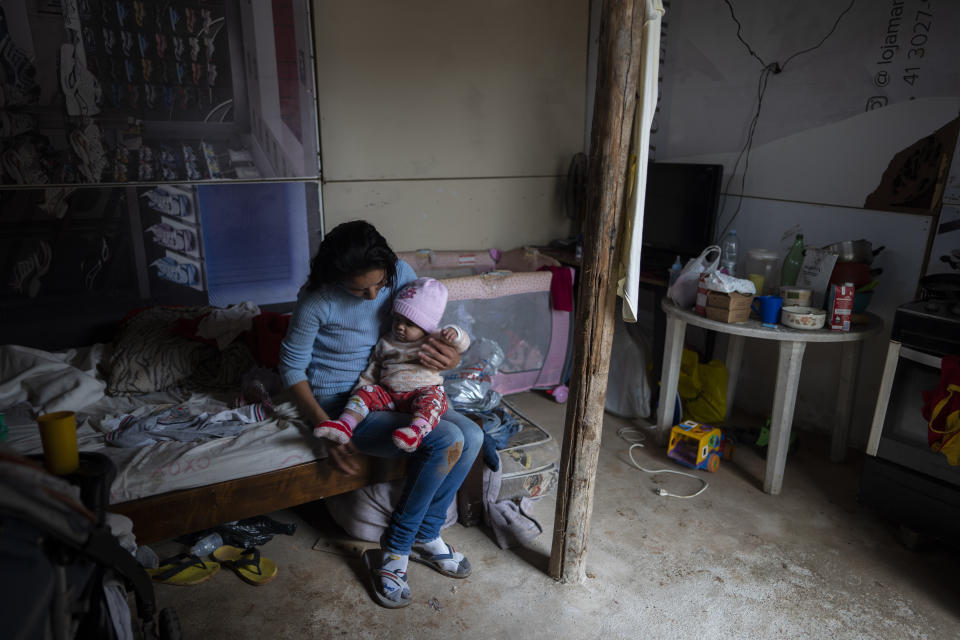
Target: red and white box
841,307
701,305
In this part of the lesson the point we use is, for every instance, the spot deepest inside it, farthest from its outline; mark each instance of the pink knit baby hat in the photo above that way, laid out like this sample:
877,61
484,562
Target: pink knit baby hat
422,302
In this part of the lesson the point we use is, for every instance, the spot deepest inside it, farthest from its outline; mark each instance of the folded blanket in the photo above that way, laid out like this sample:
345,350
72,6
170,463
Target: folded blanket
62,381
510,521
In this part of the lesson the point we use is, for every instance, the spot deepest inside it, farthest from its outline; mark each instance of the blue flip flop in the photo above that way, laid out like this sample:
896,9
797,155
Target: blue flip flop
373,561
433,561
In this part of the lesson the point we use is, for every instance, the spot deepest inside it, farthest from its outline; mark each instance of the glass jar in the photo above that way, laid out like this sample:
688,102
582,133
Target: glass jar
763,270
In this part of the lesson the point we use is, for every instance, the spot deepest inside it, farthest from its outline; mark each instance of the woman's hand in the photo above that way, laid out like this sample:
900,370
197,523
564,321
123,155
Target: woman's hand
343,457
310,410
438,355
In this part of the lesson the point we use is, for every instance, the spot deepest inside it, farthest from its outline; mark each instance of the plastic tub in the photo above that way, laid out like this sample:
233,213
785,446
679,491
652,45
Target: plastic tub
762,269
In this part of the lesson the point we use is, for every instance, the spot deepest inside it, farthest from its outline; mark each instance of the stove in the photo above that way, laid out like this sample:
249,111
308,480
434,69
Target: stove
902,477
932,326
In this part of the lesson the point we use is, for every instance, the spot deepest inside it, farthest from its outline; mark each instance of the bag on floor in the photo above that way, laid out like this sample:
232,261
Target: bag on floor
941,409
703,389
684,291
628,385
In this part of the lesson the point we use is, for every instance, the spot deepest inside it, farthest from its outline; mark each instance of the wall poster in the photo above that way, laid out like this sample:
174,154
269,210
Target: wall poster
145,145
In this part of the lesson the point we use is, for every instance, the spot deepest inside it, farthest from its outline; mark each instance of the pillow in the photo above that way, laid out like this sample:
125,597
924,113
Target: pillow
148,356
221,370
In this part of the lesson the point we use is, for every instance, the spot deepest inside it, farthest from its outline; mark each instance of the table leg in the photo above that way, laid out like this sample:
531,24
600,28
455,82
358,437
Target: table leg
781,420
846,391
733,358
672,352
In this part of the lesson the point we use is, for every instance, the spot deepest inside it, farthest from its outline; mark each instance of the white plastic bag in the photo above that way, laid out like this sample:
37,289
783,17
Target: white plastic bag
470,387
719,281
684,290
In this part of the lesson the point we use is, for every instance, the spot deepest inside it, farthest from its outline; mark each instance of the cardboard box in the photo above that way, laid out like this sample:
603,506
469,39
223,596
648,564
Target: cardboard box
841,306
728,307
700,306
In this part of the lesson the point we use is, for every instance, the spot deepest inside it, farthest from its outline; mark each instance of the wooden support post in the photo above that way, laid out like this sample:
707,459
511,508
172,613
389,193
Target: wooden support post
620,52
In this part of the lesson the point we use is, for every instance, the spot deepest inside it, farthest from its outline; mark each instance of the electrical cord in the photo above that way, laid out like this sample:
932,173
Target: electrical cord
638,438
768,69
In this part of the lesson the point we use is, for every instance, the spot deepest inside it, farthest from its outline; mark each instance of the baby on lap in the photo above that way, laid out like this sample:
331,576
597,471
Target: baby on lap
395,379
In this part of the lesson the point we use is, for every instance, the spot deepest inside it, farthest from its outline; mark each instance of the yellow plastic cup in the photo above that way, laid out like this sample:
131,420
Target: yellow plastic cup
58,431
758,281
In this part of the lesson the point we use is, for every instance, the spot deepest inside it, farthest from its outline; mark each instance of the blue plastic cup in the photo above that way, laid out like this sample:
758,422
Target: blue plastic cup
768,308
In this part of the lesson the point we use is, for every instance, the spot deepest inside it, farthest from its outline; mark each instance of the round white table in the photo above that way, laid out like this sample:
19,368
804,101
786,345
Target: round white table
793,342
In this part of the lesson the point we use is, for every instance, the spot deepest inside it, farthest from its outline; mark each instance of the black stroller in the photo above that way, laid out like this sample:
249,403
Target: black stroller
65,575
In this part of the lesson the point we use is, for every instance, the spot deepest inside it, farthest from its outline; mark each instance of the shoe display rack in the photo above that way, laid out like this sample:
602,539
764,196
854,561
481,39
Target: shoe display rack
112,112
155,91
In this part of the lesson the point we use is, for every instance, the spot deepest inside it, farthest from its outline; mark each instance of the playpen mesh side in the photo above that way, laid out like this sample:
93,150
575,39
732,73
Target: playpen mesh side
514,310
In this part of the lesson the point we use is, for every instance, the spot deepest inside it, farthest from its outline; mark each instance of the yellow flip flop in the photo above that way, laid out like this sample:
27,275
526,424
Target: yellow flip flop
184,570
248,564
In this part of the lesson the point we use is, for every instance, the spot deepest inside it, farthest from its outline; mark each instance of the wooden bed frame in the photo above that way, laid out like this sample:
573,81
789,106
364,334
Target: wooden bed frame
168,515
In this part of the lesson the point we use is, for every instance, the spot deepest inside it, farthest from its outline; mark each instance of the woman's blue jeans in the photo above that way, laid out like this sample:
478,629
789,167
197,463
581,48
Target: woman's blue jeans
434,473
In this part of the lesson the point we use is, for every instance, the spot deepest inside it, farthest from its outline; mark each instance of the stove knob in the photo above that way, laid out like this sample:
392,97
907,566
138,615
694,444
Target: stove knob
932,306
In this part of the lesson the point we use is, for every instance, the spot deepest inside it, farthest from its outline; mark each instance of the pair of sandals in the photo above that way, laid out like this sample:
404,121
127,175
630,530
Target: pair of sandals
373,558
187,569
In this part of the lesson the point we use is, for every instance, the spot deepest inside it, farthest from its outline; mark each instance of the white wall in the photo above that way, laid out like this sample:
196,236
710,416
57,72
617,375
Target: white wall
450,125
830,123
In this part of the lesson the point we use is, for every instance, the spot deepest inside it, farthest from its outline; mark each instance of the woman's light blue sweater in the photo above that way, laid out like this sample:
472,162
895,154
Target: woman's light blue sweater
331,334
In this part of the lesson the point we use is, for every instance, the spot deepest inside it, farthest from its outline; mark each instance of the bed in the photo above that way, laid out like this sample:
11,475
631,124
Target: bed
169,488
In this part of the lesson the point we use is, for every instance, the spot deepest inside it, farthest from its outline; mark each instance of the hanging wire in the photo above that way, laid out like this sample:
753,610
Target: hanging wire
836,23
768,69
745,151
740,37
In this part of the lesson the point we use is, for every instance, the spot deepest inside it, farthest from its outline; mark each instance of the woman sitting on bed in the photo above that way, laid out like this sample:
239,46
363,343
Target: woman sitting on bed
341,313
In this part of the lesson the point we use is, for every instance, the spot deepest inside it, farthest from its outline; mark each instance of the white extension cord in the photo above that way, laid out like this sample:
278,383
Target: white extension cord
637,440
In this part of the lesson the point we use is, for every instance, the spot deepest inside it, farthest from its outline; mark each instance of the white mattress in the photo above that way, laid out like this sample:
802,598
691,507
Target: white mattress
33,382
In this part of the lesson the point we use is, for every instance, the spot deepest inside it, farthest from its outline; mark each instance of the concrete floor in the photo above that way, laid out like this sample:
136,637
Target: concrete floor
731,563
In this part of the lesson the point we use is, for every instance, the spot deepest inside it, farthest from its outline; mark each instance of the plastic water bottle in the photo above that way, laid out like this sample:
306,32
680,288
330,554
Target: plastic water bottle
730,252
674,272
206,545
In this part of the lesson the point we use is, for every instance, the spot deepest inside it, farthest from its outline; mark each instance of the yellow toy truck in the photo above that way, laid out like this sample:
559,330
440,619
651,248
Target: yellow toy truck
698,446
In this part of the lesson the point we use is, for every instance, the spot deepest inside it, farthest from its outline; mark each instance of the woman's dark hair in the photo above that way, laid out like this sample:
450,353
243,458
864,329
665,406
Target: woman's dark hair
351,249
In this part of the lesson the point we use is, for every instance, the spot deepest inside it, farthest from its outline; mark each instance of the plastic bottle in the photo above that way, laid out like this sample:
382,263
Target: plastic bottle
674,271
206,545
792,263
730,253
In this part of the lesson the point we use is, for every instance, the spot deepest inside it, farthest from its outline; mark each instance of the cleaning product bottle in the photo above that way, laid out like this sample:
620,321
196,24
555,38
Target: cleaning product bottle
792,263
674,271
730,250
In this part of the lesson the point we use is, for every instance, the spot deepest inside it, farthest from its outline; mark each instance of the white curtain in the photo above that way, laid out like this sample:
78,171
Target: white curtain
629,270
